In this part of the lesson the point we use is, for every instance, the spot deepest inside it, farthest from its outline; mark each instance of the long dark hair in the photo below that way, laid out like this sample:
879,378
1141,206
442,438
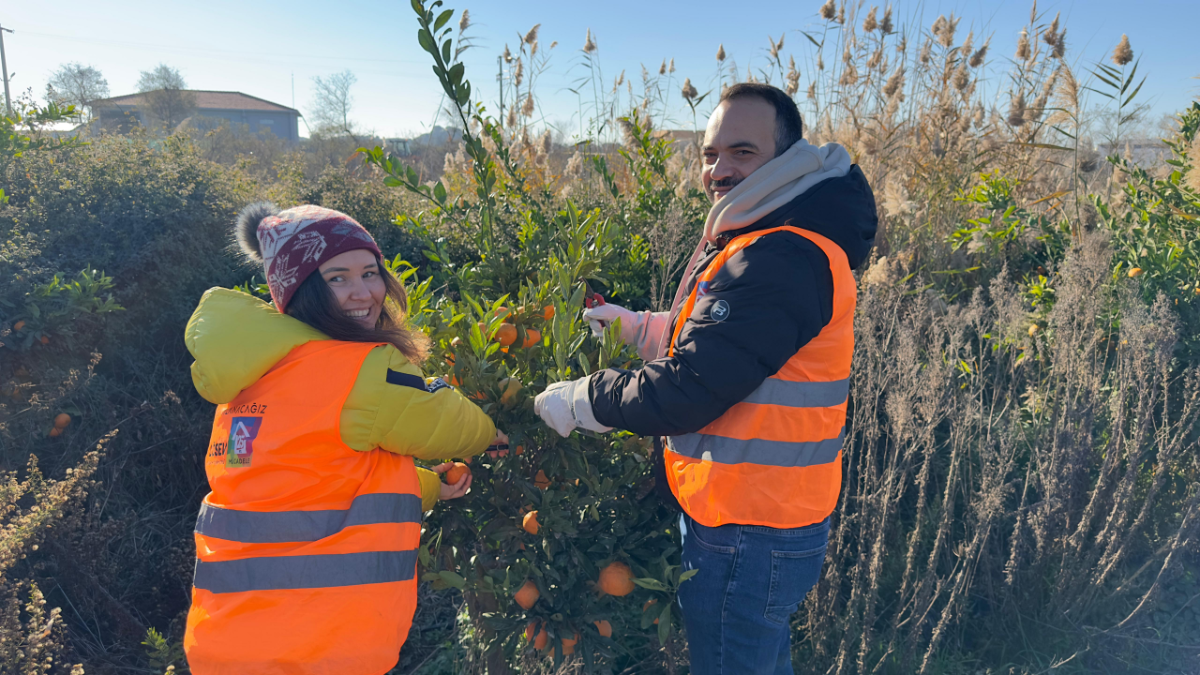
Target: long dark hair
315,304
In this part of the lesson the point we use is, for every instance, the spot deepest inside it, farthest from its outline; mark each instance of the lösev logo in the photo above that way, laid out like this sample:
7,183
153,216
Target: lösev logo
719,311
242,432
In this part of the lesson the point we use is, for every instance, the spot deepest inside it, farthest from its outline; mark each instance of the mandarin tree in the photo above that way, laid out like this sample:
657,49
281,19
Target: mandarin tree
528,544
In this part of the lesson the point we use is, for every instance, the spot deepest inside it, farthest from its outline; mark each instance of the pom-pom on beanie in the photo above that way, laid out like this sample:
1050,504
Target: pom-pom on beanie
293,244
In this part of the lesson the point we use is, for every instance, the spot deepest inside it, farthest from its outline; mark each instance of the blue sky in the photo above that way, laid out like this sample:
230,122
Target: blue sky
259,46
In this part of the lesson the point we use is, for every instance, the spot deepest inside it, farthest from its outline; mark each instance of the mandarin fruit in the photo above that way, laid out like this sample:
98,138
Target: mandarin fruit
456,472
530,522
616,579
648,605
506,334
568,645
528,595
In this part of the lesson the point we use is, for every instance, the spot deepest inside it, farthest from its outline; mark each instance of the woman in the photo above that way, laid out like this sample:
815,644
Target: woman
307,545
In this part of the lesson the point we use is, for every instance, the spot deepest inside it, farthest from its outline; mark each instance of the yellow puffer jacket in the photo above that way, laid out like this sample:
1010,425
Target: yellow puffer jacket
236,338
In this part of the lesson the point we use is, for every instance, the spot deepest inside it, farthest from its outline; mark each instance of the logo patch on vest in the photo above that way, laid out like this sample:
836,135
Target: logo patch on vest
701,289
242,432
719,311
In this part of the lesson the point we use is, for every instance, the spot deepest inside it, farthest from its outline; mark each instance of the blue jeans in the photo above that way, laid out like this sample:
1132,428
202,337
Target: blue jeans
751,580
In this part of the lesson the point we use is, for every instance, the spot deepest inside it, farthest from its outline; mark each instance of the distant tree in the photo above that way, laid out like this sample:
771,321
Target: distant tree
331,105
78,85
167,100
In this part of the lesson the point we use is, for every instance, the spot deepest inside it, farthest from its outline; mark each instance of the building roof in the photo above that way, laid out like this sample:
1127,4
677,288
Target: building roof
205,100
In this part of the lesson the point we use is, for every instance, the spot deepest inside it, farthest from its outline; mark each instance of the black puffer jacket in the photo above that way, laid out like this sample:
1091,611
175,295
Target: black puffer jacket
780,295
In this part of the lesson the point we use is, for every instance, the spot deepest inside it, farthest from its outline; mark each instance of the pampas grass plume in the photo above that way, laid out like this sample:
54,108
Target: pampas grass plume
870,23
1123,54
1023,51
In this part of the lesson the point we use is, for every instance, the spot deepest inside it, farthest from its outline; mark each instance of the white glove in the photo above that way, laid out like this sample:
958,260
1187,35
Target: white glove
642,329
609,314
564,406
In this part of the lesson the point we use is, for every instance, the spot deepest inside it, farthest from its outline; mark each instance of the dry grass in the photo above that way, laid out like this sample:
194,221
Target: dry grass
1000,480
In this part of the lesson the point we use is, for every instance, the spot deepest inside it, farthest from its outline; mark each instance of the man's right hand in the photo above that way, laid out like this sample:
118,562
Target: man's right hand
608,314
640,329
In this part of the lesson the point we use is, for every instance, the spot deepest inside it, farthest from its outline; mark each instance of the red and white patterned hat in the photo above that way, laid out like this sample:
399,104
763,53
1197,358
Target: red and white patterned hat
295,243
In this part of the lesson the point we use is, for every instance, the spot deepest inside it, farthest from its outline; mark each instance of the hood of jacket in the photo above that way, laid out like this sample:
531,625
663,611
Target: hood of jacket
781,185
841,209
236,338
775,184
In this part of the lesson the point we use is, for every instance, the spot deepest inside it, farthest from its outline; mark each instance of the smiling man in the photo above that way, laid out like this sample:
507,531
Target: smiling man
747,377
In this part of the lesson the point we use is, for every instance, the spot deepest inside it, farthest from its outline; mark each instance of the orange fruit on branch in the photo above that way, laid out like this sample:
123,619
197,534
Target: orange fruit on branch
616,579
506,334
568,645
648,605
604,627
55,432
541,481
456,472
510,387
62,420
527,595
532,337
548,312
19,326
542,638
530,522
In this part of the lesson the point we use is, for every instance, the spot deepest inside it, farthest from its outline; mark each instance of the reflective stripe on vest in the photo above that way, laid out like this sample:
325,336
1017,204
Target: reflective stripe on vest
306,549
271,527
305,571
773,459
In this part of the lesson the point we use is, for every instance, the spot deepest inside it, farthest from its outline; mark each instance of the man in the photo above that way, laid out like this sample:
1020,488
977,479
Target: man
747,377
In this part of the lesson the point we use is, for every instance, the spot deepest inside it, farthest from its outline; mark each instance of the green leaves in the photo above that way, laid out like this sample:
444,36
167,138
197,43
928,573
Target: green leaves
441,21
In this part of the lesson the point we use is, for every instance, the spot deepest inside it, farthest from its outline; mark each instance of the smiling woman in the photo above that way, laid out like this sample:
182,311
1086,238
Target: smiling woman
349,298
314,517
357,285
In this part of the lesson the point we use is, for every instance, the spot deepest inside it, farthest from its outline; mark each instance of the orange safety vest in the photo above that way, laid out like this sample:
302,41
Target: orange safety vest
307,549
775,458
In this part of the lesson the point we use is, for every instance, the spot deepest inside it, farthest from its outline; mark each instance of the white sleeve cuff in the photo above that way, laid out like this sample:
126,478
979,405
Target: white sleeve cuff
650,332
581,407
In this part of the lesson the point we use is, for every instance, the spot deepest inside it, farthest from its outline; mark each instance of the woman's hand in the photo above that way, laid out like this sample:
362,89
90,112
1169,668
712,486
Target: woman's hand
452,491
500,442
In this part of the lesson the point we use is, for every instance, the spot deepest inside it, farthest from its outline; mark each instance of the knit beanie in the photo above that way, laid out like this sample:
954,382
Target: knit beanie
293,244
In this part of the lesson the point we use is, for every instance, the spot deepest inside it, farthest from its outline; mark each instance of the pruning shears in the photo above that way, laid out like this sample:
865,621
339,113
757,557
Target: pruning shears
592,299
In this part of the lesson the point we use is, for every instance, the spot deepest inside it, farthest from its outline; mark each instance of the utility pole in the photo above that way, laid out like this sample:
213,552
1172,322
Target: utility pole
500,79
4,65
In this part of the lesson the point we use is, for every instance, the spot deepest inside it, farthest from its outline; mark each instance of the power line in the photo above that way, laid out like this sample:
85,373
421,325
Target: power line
4,65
